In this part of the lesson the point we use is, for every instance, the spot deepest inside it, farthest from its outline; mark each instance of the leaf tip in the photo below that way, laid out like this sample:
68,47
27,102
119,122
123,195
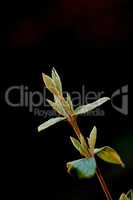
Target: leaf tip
43,74
53,69
38,129
71,137
123,164
95,128
44,77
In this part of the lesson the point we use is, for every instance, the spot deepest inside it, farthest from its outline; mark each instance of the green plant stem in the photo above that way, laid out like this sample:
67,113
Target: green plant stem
74,125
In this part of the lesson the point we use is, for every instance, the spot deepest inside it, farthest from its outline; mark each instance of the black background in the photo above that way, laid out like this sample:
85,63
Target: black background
40,36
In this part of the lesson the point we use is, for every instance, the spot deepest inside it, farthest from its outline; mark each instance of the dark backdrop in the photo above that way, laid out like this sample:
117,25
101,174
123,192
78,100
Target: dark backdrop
87,43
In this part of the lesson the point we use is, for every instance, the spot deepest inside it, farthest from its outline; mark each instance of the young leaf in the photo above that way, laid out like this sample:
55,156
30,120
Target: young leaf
86,108
83,143
66,105
57,80
78,146
109,155
57,107
130,194
49,123
50,85
123,197
76,143
69,100
83,168
92,139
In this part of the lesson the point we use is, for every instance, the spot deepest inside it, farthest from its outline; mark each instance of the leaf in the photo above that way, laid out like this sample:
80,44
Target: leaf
57,107
66,105
109,155
130,194
83,168
63,105
49,123
123,197
92,139
57,80
50,85
78,146
69,100
76,143
86,108
83,143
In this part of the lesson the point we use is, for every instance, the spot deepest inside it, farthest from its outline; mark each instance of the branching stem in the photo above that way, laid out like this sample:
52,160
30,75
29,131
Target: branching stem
75,127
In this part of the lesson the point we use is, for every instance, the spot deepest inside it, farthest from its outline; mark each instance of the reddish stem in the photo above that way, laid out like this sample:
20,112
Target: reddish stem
103,184
74,125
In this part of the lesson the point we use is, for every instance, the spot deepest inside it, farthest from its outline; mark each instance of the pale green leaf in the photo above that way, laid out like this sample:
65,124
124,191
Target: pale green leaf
86,108
56,98
109,155
76,143
83,168
78,146
92,139
66,106
83,143
50,85
130,194
123,197
49,123
57,80
63,105
69,100
57,106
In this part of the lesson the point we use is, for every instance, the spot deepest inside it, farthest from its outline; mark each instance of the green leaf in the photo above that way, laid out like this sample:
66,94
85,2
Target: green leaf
92,139
57,106
50,85
76,143
69,100
63,105
78,146
86,108
66,105
123,197
83,143
49,123
109,155
57,80
130,194
83,168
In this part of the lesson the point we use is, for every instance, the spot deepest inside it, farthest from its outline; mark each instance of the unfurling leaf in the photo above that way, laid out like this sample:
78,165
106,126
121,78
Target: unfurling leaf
86,108
83,168
50,85
69,100
109,155
123,197
92,139
130,194
57,80
78,146
49,123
